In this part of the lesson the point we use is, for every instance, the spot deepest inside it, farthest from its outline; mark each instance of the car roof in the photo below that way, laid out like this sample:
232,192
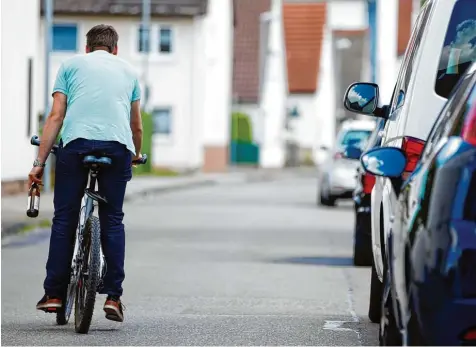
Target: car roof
358,124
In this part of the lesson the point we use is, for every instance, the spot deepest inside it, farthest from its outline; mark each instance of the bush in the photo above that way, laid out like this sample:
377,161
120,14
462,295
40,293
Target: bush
147,126
241,129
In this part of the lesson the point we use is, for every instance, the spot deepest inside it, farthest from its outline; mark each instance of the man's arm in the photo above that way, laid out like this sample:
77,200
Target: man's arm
53,125
136,126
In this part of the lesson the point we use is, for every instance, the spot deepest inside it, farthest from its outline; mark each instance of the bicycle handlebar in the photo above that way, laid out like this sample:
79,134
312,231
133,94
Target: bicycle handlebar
140,161
35,141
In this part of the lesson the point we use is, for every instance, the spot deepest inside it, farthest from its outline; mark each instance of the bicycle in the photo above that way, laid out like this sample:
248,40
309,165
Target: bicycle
88,265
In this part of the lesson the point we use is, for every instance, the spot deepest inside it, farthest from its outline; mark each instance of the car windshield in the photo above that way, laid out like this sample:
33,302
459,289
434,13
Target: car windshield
355,138
459,48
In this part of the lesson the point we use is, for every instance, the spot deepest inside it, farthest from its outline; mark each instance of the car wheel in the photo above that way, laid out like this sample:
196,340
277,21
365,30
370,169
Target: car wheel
389,334
325,198
362,254
327,201
376,287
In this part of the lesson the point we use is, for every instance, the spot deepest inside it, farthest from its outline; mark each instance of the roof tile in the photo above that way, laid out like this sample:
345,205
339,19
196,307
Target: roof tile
404,25
246,49
303,30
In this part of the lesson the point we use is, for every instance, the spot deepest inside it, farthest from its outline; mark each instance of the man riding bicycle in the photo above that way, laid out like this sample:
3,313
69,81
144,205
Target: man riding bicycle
96,105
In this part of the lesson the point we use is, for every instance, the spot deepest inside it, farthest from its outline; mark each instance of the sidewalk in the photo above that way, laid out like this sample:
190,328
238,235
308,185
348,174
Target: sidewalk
14,207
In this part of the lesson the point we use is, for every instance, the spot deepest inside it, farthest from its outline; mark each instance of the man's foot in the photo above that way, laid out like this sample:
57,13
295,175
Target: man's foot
49,304
113,308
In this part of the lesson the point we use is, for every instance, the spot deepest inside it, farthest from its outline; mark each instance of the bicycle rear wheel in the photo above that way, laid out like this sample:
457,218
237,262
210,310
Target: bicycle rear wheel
89,276
63,314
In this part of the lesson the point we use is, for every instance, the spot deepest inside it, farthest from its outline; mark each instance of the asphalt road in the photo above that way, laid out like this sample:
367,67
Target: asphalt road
244,264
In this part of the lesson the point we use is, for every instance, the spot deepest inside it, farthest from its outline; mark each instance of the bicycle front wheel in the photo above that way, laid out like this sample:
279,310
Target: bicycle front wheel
89,276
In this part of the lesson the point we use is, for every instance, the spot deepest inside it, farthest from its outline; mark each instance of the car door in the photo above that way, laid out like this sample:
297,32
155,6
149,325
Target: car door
384,186
411,214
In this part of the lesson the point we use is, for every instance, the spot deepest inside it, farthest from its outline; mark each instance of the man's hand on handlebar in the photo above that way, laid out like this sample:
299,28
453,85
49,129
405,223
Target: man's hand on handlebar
136,159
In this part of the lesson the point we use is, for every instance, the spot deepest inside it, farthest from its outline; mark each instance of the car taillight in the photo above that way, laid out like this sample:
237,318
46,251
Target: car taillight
368,182
469,128
470,335
413,148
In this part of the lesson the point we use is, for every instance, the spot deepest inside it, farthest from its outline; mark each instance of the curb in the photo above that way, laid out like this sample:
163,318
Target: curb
35,235
16,228
166,189
26,227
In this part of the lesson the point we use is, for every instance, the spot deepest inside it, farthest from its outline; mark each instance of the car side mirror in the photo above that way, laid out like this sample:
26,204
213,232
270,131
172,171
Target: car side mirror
352,152
362,98
384,161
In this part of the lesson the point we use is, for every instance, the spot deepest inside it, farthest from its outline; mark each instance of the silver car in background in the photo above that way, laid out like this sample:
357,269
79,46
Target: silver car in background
338,175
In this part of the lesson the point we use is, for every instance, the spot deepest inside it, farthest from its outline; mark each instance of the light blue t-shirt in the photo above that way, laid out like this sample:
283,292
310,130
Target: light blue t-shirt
100,88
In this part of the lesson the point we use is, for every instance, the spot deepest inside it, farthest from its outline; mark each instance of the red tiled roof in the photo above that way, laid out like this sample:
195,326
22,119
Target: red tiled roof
303,31
404,25
246,49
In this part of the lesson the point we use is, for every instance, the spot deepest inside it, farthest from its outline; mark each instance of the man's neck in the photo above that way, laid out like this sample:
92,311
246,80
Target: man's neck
103,49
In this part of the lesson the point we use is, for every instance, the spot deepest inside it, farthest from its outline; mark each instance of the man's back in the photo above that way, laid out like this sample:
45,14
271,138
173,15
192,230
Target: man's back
100,88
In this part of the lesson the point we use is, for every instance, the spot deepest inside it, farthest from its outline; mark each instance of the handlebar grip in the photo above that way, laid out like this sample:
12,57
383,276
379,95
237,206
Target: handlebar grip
35,140
141,161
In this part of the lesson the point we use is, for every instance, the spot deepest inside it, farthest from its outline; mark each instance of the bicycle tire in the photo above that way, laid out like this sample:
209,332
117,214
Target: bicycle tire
92,258
63,315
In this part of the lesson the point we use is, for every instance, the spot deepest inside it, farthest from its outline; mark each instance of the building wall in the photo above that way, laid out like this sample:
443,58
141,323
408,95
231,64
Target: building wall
305,128
342,15
274,94
17,47
169,77
387,60
325,100
217,98
347,14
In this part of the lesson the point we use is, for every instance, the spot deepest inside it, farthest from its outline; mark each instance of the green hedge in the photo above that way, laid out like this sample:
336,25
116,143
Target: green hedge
241,128
147,126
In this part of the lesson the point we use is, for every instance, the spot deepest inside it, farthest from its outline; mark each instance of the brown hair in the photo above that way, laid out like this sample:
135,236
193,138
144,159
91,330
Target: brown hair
102,36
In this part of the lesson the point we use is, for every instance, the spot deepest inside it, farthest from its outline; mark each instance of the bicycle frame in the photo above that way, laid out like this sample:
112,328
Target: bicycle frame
91,197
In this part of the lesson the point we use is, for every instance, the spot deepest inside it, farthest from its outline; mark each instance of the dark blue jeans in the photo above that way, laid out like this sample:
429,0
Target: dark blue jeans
71,178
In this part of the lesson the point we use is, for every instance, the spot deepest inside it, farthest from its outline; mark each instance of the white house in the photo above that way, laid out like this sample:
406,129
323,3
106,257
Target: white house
304,25
250,43
18,90
274,90
345,19
260,81
346,28
188,70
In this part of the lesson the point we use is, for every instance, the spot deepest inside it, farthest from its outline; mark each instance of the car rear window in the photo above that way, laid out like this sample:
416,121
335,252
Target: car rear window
459,48
356,138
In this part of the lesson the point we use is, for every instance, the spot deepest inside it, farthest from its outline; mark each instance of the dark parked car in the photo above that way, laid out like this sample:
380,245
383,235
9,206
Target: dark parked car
361,196
429,295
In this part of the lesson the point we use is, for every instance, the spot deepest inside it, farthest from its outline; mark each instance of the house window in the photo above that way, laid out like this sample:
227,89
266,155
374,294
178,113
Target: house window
143,42
162,121
65,37
165,40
